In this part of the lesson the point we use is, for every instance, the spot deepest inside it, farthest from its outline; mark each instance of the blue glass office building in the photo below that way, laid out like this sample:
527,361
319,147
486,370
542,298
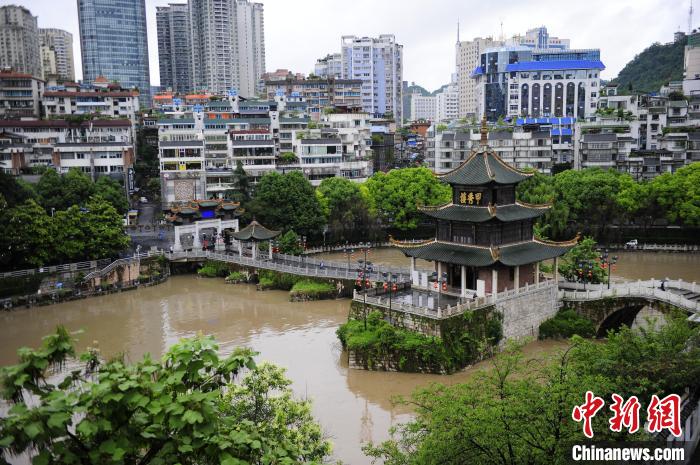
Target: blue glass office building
113,42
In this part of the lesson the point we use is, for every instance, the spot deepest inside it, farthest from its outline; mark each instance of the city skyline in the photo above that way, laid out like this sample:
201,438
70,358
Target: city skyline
427,33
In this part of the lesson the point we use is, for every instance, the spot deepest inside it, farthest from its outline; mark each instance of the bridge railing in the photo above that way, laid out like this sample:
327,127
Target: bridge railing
287,264
637,289
121,261
651,283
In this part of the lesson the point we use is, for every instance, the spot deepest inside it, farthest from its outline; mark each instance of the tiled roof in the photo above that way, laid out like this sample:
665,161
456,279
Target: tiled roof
469,255
472,214
482,167
255,231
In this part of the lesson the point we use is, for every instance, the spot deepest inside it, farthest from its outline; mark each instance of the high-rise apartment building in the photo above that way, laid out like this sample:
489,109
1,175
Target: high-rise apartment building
423,107
57,53
378,62
174,53
329,66
538,38
114,44
19,40
447,103
468,55
228,45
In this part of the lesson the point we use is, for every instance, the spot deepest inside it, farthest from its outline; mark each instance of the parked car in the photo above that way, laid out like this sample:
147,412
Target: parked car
143,200
632,244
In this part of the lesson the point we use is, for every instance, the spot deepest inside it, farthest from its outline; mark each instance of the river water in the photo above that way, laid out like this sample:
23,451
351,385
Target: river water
352,406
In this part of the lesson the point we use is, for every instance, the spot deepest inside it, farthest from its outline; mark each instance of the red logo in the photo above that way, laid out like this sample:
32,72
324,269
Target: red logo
587,411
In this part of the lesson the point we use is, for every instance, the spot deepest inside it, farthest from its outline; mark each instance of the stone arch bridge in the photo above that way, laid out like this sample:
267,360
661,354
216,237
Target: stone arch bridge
611,308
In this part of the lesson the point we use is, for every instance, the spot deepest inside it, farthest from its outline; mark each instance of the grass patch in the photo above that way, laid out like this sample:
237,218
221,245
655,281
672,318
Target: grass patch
565,324
308,289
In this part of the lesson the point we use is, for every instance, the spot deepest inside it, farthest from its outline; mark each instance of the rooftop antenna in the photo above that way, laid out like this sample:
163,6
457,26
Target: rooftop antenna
690,18
458,30
502,36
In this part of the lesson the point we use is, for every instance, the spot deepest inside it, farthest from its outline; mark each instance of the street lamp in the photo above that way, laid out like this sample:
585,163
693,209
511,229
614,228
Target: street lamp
390,281
363,280
584,270
348,253
608,263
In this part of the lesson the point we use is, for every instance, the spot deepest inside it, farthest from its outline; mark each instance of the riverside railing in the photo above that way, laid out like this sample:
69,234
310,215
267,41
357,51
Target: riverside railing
449,311
68,267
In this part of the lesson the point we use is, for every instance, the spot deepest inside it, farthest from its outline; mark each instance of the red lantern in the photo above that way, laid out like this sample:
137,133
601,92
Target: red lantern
444,286
614,267
394,288
435,285
368,283
386,286
358,283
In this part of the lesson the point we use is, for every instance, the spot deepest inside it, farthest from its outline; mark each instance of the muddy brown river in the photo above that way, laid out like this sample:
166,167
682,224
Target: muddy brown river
352,406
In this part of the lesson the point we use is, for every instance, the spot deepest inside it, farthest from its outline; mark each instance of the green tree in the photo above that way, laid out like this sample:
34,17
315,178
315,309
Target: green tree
514,413
89,233
345,207
583,253
113,192
241,185
289,243
396,194
679,194
104,230
14,190
287,201
25,236
69,235
520,412
60,192
191,407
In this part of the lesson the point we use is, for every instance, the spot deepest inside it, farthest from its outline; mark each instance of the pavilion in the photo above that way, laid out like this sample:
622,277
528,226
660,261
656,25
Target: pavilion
484,241
255,233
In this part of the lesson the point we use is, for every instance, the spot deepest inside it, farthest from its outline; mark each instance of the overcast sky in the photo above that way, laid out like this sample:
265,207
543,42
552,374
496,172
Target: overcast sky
297,32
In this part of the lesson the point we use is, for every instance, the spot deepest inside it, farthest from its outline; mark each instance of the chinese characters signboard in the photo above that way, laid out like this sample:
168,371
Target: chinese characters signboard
470,198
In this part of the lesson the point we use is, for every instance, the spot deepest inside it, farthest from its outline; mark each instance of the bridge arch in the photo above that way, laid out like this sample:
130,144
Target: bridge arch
611,313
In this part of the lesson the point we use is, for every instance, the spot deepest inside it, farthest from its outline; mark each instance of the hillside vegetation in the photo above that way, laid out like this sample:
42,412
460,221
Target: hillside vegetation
654,67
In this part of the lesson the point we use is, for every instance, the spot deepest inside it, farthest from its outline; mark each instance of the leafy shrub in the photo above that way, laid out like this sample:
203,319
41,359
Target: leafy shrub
283,281
236,276
565,324
212,269
265,283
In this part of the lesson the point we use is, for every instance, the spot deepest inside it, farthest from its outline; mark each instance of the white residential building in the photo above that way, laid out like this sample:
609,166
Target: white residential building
228,45
378,62
20,94
98,147
330,66
57,45
200,149
447,103
468,55
75,100
423,107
